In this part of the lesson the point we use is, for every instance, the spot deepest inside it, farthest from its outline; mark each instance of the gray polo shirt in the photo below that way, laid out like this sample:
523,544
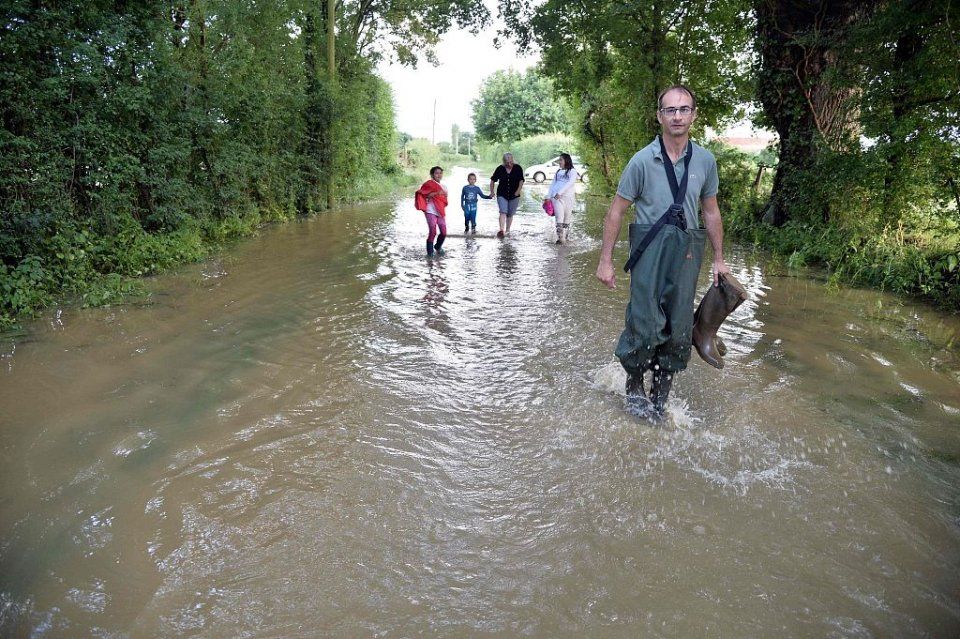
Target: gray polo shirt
644,182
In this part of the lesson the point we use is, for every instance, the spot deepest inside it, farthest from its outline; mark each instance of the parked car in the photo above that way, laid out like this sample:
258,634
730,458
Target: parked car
541,172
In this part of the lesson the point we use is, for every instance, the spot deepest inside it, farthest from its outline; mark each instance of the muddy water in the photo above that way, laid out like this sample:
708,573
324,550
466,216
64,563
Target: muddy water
322,433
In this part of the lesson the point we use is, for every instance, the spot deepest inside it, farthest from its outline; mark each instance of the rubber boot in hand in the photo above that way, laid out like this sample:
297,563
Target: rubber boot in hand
715,306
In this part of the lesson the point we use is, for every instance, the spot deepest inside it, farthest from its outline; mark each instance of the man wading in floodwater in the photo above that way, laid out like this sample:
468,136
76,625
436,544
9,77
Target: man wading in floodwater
665,181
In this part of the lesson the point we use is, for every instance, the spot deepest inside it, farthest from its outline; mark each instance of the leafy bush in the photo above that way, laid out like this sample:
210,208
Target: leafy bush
422,155
890,260
737,171
133,142
917,255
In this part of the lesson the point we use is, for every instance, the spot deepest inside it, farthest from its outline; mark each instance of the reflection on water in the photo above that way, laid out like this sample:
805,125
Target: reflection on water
506,259
324,433
434,298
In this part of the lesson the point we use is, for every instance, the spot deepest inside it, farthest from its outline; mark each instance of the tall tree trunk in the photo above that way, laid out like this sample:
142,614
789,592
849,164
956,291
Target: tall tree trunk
658,41
332,80
595,135
310,150
798,43
908,47
202,134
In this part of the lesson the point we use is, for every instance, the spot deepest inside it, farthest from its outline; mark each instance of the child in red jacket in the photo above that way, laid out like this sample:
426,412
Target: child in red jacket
431,198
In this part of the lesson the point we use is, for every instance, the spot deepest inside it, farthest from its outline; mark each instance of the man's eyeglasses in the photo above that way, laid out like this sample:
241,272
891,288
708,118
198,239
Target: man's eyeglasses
671,111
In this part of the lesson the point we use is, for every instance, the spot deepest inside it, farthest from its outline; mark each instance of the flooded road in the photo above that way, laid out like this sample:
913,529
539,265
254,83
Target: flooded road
324,434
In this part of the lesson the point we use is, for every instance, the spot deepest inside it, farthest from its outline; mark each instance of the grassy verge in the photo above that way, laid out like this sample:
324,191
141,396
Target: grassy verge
909,261
917,255
77,265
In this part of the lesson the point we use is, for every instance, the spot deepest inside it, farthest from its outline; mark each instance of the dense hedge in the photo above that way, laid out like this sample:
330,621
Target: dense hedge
138,135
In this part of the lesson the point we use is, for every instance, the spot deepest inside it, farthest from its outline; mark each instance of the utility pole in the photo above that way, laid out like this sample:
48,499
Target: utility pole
332,77
433,130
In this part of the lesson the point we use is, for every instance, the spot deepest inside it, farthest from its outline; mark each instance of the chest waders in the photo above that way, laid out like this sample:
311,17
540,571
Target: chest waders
664,264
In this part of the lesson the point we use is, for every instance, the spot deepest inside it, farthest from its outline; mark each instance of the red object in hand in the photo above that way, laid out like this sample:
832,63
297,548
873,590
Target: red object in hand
439,197
548,207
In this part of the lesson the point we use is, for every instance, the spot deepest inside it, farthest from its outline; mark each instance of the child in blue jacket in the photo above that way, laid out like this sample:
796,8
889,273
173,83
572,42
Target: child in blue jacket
468,202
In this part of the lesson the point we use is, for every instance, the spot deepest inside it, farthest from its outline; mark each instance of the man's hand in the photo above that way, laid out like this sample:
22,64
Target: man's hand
611,229
719,266
606,274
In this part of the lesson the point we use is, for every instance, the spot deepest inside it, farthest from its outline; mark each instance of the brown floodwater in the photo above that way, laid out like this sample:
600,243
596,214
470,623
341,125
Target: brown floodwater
321,433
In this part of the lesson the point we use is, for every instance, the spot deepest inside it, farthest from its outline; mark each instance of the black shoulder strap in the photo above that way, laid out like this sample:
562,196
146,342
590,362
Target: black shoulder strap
674,214
679,190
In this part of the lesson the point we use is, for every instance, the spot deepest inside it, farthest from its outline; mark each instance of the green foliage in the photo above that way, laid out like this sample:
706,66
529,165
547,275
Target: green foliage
24,288
467,143
137,136
894,259
448,160
830,77
906,76
916,255
610,59
404,29
514,105
422,155
737,171
365,137
865,101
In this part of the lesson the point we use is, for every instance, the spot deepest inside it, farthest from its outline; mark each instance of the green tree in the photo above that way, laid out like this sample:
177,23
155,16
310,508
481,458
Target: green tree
906,63
865,98
467,143
610,59
800,46
134,133
885,71
406,29
513,105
